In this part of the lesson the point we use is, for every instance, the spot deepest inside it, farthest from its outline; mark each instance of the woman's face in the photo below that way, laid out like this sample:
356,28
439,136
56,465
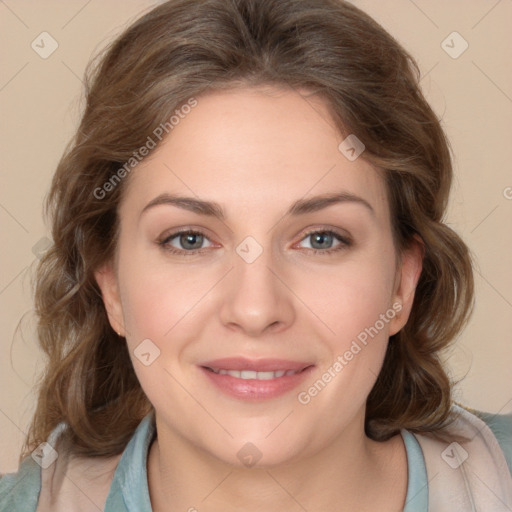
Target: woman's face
290,266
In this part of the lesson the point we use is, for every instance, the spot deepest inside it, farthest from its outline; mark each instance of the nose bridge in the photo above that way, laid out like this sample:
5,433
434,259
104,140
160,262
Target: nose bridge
256,299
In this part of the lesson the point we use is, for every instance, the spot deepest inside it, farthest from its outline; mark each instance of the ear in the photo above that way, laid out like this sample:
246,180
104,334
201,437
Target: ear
406,280
107,281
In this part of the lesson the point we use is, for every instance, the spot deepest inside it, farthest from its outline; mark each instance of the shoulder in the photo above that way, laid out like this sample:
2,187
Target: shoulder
53,479
484,433
62,484
19,492
468,462
501,427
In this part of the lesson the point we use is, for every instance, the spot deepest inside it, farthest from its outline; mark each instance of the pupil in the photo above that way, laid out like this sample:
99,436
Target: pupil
195,241
321,238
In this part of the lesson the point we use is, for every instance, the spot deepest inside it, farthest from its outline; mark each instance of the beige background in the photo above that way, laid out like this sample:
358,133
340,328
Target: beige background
40,105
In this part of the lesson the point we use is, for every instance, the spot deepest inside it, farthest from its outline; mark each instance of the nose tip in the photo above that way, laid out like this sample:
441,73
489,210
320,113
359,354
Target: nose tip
255,301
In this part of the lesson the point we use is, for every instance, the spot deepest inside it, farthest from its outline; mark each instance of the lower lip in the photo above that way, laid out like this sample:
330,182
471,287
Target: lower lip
254,389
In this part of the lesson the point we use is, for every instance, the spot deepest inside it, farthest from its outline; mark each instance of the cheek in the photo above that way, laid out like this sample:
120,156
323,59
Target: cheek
347,297
159,304
352,296
154,306
157,295
353,358
355,302
167,305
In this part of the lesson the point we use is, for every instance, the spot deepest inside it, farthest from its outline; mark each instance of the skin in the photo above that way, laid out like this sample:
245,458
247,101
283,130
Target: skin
255,151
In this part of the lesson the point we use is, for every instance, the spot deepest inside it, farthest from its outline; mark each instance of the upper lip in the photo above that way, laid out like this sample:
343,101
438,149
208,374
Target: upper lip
257,365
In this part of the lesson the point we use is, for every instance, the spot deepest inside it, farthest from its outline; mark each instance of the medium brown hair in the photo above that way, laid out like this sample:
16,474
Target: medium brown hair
180,50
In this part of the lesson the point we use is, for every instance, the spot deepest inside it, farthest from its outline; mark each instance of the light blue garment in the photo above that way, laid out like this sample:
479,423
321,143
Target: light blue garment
417,486
129,489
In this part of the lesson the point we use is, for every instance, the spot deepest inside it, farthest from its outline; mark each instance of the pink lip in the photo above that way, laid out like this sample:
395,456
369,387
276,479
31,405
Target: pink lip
254,389
256,365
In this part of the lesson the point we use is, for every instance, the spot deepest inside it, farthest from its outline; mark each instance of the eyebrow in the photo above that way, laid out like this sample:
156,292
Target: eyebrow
299,207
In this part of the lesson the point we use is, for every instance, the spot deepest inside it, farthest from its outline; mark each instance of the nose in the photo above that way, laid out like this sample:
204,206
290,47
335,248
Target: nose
256,299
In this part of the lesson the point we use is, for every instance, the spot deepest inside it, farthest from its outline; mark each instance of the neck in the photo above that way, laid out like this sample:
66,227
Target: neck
183,477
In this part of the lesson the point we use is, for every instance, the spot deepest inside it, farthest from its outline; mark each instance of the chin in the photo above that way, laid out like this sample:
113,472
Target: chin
254,454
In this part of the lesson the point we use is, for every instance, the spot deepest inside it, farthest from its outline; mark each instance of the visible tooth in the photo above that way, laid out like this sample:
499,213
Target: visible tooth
265,375
248,374
251,374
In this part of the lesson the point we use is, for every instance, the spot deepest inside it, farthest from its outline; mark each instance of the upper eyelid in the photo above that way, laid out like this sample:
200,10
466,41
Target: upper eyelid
325,230
169,235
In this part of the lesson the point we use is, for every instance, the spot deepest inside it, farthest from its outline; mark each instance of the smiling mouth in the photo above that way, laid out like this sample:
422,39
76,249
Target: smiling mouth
250,374
255,380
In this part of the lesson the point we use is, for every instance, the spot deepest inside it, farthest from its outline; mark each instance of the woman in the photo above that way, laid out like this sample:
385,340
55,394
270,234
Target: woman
251,283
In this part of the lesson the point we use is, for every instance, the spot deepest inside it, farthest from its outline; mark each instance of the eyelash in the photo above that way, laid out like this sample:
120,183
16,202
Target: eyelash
345,242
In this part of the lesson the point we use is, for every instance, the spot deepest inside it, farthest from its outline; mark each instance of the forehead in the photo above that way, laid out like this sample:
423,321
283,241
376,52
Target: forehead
250,147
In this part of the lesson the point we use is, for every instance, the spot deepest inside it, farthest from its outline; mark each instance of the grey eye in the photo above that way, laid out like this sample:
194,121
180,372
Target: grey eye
187,241
322,240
